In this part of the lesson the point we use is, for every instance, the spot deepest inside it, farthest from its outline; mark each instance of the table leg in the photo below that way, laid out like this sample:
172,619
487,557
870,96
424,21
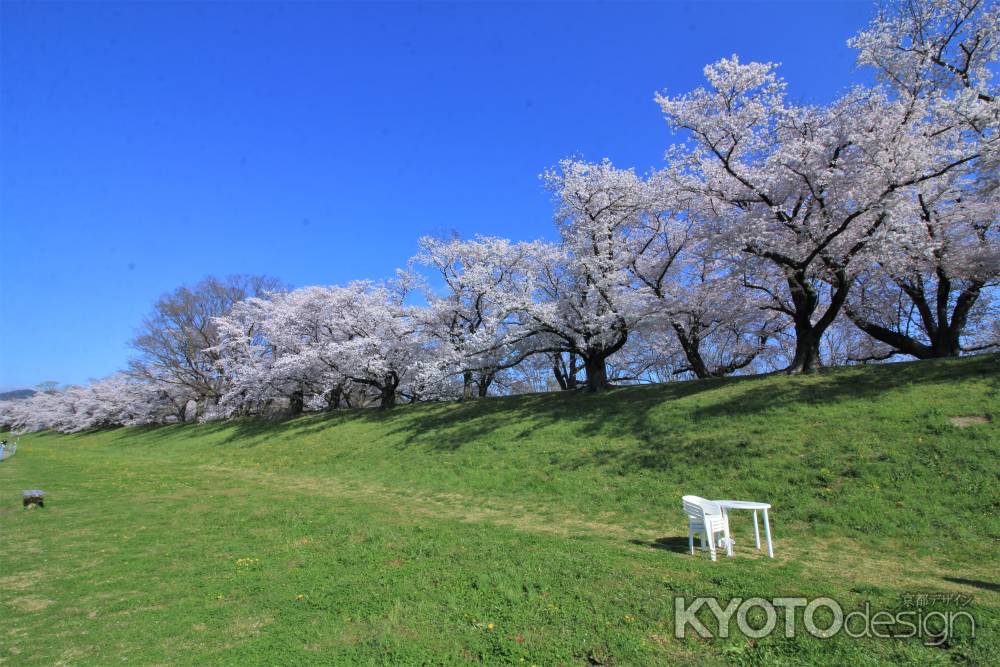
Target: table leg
756,531
767,533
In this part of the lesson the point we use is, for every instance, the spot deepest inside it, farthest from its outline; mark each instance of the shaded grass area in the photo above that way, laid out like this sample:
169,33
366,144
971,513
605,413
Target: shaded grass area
542,528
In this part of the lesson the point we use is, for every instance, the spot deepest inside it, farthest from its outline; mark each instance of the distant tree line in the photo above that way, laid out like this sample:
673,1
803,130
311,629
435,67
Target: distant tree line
778,237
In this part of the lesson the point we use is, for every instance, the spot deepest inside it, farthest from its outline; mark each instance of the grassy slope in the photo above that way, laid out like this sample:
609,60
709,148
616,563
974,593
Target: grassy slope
541,528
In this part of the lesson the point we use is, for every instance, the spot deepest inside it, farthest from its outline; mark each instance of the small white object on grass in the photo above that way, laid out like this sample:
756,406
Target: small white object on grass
33,497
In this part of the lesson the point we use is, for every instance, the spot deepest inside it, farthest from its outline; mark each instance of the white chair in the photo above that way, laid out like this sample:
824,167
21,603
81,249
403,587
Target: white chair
707,518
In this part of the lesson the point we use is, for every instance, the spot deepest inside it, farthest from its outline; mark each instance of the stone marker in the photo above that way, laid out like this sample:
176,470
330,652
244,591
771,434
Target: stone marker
33,497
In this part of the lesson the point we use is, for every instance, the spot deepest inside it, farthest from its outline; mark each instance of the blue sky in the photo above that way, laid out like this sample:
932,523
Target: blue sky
144,145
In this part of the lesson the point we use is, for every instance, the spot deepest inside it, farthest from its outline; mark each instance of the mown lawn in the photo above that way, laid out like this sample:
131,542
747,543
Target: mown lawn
541,529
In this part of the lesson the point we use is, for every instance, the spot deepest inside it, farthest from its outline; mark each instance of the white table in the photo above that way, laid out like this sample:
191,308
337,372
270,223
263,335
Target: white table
727,505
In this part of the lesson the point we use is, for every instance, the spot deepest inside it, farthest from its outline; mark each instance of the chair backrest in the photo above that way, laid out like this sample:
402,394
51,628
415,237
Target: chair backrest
697,507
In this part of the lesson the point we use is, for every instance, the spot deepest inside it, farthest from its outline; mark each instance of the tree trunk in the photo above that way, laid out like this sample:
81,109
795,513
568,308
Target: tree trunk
483,384
558,372
807,334
946,343
943,336
387,392
387,398
296,402
333,397
466,385
691,347
806,359
597,372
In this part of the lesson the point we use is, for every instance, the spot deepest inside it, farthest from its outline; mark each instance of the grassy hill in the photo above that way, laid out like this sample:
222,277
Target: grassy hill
540,529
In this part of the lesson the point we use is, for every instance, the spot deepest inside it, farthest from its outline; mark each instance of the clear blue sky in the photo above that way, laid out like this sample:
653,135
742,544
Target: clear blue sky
143,146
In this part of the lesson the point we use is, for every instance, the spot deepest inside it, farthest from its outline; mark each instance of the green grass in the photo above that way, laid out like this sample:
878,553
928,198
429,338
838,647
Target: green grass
539,529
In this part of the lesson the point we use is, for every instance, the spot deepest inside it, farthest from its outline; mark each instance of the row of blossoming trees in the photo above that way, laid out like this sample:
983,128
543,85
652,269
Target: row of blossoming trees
777,236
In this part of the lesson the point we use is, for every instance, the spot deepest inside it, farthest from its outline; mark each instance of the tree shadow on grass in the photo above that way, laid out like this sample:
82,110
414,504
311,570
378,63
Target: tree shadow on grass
626,412
247,431
854,383
677,544
618,411
660,442
975,583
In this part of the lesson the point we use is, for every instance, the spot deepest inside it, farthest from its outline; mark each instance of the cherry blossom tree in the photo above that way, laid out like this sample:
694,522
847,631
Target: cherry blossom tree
175,345
935,47
930,285
584,303
721,327
277,349
42,410
935,277
803,189
469,320
119,400
696,290
943,53
381,342
319,341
